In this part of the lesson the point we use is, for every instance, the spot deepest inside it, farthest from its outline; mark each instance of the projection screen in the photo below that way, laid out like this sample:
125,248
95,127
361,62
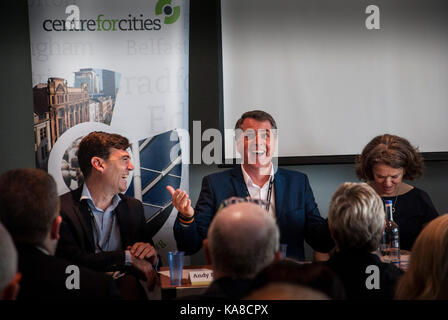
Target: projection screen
334,74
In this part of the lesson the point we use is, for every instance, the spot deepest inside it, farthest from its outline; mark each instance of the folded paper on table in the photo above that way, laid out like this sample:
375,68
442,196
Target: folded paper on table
186,275
201,277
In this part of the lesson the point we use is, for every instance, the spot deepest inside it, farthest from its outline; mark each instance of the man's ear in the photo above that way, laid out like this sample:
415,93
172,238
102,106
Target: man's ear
97,163
273,142
206,251
55,227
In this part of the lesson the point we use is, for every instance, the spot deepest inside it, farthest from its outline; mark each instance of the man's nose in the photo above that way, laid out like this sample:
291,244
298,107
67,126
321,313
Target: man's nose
130,166
388,182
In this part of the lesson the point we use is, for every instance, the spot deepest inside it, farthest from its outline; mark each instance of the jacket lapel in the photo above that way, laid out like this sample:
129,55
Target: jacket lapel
83,215
238,183
279,192
124,223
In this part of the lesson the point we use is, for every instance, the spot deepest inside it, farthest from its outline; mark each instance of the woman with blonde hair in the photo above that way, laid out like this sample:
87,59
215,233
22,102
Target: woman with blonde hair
356,221
427,276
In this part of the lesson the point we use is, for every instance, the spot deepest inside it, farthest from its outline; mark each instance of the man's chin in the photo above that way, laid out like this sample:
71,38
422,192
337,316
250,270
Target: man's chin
123,188
260,165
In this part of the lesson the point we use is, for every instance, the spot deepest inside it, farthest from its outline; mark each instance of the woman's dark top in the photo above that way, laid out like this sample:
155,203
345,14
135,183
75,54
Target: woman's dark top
413,210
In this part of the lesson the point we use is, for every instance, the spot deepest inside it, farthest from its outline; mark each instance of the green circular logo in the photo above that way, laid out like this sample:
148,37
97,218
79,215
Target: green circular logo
171,13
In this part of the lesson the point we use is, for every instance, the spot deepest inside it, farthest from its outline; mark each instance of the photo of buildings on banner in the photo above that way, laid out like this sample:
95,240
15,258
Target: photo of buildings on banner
59,107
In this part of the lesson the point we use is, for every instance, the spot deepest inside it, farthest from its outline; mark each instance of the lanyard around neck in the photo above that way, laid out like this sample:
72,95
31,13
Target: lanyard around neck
268,198
97,229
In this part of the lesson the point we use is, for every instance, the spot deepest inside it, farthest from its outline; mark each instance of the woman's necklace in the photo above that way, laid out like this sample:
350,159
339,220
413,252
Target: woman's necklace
396,198
395,202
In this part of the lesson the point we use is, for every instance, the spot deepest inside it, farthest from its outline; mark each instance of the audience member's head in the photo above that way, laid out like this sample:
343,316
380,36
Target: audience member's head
286,291
242,239
427,275
30,207
9,278
313,275
356,217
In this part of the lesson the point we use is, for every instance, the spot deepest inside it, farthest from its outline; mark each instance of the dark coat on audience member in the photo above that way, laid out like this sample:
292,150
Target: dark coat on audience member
351,267
44,278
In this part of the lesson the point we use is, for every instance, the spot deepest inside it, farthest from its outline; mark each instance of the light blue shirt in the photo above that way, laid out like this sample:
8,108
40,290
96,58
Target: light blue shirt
106,232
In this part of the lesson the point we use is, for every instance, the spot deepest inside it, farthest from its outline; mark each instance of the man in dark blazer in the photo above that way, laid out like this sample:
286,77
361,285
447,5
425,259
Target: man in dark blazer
287,192
103,229
30,211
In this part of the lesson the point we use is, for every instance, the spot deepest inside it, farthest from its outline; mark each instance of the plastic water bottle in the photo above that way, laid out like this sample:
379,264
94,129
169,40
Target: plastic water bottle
390,243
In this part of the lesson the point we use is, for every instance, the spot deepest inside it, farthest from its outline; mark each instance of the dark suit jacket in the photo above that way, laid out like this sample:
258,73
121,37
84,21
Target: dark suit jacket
44,277
351,265
296,211
77,243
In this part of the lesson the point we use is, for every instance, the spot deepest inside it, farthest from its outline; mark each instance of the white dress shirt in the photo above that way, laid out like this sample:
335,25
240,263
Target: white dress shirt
261,192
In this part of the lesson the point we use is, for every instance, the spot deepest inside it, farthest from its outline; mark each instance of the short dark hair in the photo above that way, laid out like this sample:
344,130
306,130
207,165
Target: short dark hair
98,144
256,115
29,204
393,151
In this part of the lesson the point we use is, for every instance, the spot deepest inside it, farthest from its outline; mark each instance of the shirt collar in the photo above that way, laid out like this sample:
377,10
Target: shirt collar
248,180
85,194
42,249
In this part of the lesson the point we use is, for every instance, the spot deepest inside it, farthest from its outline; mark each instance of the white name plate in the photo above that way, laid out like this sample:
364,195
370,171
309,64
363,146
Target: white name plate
201,277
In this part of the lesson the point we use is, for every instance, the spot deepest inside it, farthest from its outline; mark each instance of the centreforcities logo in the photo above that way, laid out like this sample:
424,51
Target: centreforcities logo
171,13
74,21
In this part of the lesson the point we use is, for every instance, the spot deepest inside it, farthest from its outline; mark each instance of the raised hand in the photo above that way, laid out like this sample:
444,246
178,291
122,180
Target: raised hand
181,201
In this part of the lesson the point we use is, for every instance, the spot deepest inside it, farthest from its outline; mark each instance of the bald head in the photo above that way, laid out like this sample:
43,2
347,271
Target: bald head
8,259
242,239
243,221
